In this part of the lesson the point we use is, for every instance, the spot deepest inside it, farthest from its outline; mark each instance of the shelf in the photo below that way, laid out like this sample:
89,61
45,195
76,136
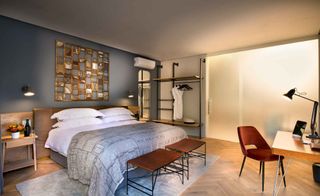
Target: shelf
145,81
165,99
165,109
10,166
195,77
187,78
178,123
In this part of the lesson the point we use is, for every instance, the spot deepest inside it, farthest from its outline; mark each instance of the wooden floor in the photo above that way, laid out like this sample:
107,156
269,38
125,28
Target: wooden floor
221,178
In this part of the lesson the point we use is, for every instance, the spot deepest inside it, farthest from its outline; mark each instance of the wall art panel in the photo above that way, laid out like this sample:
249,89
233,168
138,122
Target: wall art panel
82,74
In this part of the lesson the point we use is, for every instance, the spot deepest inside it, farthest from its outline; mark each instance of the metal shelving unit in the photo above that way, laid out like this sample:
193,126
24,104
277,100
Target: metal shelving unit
176,80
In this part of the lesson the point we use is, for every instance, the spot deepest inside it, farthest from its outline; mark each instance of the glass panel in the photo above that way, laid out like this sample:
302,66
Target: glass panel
143,75
246,88
144,94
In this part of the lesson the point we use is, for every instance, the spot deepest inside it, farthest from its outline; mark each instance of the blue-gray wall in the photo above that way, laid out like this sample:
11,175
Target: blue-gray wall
27,56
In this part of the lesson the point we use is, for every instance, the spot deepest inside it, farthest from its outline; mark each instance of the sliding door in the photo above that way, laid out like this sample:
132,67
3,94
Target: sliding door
246,88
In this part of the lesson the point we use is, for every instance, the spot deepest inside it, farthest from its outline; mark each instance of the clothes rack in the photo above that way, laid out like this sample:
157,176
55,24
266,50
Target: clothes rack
179,80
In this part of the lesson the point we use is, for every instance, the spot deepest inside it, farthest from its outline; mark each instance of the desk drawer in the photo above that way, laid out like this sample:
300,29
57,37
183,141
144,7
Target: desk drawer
19,142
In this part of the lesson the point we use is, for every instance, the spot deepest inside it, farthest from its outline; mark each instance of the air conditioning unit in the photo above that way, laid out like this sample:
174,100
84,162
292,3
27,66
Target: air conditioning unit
144,63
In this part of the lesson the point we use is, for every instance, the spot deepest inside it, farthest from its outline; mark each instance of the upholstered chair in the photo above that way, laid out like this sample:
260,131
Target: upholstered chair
262,152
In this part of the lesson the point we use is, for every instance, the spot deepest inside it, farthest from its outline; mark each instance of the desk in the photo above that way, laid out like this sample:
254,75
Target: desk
284,144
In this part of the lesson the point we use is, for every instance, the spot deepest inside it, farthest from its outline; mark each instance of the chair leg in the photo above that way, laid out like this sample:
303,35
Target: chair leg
244,160
282,169
262,176
260,167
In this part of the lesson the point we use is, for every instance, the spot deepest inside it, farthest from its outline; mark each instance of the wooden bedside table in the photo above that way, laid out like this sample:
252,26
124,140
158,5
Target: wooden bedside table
135,110
30,142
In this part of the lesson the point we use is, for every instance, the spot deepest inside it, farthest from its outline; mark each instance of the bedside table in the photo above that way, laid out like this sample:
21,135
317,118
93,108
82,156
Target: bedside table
135,110
30,142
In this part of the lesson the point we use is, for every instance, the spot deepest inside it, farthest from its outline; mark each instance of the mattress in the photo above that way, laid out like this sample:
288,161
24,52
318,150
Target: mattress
59,139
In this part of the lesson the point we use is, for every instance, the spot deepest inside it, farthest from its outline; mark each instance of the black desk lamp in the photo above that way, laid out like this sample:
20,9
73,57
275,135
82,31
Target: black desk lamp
313,135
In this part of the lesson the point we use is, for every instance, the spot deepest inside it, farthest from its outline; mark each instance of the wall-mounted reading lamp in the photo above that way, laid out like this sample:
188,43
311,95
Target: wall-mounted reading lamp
290,94
130,95
27,91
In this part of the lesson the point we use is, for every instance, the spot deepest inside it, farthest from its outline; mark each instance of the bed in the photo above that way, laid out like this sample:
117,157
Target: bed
96,155
42,124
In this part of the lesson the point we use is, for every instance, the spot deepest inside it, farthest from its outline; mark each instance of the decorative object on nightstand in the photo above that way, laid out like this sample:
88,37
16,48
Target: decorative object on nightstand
27,128
15,130
8,142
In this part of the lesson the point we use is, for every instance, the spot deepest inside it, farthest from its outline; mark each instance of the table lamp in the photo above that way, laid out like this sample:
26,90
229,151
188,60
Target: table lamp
290,94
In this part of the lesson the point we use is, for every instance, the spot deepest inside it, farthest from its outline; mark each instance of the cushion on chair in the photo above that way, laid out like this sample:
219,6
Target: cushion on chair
262,155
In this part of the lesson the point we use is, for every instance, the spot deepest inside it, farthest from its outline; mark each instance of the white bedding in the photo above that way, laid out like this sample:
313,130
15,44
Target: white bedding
59,139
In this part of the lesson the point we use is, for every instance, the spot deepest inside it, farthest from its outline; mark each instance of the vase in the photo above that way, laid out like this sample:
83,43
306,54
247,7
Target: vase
15,135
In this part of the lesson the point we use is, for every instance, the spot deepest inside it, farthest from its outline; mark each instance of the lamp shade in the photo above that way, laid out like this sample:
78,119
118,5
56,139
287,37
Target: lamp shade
290,93
130,95
27,91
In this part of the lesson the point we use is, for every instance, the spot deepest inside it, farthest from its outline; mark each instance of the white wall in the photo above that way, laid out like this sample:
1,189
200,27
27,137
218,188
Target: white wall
245,88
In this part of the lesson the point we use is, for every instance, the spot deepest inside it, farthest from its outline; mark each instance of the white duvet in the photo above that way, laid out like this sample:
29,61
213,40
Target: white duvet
59,138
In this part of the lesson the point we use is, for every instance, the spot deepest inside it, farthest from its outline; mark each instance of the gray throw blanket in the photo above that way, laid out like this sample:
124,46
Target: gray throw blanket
98,158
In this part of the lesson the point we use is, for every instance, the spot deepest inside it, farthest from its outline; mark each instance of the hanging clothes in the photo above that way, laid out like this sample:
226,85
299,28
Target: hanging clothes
178,103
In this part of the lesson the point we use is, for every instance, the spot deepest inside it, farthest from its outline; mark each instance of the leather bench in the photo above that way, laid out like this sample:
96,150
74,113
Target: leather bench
187,147
153,163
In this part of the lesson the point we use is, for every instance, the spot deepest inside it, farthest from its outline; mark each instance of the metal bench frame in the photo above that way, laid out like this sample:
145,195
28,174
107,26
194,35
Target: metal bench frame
173,167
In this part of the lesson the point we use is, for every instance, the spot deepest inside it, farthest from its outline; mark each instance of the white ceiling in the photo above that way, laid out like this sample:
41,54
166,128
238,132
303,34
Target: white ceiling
166,29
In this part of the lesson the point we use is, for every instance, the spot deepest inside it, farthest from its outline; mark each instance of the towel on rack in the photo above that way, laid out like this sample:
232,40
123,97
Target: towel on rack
177,104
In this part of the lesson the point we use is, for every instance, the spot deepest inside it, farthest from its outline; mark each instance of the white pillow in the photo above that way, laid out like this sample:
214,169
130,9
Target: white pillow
74,113
72,123
109,112
118,118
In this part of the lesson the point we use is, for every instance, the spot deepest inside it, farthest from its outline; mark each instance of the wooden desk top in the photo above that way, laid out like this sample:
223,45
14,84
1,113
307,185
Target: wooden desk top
284,144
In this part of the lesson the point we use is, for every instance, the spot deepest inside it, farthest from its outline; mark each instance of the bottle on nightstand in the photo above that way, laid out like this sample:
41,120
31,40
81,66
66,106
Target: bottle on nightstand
27,128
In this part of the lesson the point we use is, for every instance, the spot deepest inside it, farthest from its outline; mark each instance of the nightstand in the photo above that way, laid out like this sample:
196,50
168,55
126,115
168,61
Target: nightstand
134,110
30,142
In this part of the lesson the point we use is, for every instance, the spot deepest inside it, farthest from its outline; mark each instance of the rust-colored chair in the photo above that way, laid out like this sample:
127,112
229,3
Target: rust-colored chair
249,135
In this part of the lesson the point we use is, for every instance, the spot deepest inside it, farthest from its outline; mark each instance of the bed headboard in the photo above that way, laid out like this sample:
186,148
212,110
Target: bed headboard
42,125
